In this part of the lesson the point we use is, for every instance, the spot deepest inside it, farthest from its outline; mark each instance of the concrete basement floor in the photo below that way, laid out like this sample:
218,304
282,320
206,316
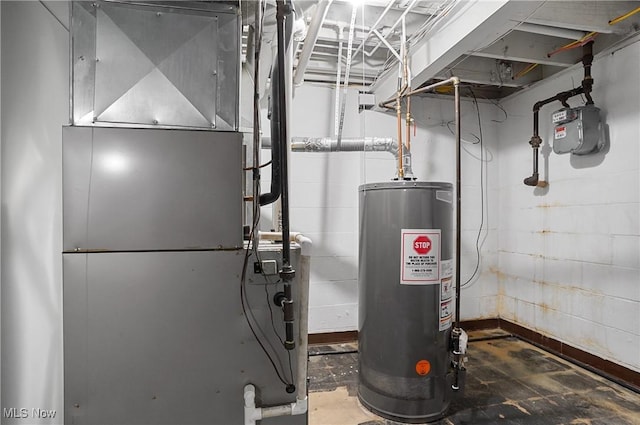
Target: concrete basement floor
509,381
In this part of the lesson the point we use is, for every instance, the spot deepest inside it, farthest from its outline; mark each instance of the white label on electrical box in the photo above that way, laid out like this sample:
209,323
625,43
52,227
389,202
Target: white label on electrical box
560,132
559,116
420,256
447,292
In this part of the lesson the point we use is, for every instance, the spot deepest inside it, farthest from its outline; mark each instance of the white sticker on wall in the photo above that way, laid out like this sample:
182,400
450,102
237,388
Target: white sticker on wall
420,256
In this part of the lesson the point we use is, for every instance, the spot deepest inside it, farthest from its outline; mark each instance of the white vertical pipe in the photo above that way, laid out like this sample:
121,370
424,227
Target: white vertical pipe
336,112
303,332
347,70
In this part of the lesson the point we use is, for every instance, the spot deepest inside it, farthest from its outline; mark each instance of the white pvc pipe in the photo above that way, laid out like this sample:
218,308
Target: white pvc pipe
303,327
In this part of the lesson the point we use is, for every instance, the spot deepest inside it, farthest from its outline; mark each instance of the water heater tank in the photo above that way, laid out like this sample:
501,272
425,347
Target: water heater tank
406,299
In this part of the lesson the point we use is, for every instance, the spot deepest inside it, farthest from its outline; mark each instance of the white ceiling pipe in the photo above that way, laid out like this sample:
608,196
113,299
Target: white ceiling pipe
551,31
310,40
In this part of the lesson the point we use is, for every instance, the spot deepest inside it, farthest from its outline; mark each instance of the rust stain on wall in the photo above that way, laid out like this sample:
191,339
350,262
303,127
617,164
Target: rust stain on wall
544,307
499,274
550,205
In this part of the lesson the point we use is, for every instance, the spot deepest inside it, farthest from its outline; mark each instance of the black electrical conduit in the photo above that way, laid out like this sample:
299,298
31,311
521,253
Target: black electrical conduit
287,273
585,88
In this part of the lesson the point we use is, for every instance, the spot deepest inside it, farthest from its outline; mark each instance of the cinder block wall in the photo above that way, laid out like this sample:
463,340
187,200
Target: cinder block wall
324,195
569,256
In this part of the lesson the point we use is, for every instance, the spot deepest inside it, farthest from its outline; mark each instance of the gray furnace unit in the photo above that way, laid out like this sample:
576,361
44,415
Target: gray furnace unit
407,297
154,330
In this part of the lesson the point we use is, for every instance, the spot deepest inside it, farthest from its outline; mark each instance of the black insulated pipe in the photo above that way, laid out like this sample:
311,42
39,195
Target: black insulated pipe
287,273
587,60
585,88
289,342
274,118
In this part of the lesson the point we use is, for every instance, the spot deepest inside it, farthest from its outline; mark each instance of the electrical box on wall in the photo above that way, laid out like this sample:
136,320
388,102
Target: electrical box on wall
577,130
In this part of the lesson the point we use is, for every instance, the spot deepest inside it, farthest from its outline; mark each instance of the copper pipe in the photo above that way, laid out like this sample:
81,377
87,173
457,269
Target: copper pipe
407,83
457,331
409,123
400,143
386,103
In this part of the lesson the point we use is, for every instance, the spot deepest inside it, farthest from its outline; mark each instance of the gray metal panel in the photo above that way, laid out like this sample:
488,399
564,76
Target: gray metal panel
399,324
160,338
144,189
580,133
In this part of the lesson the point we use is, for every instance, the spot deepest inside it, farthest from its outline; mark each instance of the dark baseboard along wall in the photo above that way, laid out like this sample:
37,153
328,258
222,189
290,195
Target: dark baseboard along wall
625,376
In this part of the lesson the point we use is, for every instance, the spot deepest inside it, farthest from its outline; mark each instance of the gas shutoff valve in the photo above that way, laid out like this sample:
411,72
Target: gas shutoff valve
577,130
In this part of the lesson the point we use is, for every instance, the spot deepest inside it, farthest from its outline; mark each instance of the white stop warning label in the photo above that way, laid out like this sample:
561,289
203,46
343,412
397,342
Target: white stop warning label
420,256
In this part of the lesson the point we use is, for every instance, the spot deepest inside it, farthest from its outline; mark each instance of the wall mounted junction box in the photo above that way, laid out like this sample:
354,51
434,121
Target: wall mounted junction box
577,130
